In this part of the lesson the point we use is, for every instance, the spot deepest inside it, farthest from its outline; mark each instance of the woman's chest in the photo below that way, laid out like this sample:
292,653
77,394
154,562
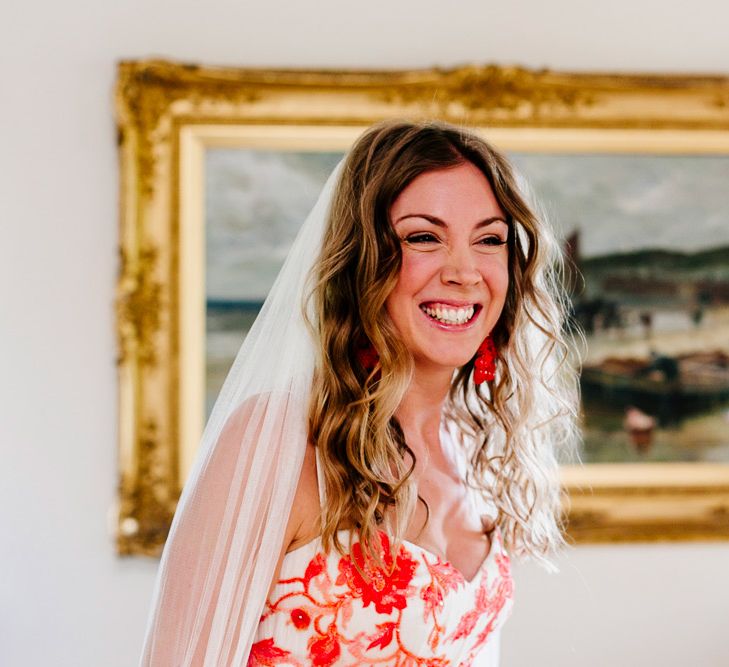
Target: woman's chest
446,521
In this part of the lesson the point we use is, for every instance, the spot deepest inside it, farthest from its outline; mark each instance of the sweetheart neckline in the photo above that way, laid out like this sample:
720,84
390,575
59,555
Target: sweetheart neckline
494,534
484,561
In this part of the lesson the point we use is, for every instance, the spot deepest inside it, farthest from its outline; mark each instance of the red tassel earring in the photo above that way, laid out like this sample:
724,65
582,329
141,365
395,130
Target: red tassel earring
484,366
367,356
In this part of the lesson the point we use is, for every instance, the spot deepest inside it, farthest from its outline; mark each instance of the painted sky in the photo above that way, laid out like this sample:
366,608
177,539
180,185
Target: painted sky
622,203
257,200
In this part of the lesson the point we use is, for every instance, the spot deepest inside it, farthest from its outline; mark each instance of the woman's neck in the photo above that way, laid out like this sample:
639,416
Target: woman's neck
419,412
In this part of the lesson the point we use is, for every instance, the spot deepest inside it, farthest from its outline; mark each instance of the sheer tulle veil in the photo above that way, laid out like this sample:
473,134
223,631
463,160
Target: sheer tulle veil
229,526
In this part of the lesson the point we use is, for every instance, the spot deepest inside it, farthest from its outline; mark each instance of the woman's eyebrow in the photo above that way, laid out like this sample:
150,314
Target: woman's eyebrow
440,223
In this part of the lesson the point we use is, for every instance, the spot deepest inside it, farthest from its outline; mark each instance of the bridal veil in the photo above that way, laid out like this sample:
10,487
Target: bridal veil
228,529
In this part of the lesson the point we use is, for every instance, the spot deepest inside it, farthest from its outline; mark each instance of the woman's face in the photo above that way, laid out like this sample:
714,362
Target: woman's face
454,273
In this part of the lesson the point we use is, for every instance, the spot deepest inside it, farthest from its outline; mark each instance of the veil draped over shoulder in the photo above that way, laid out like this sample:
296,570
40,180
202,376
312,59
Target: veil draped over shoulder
228,529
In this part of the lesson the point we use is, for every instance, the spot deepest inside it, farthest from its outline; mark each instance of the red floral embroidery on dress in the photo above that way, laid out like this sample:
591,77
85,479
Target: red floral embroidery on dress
265,653
324,649
300,619
497,598
384,637
490,601
387,588
324,607
444,578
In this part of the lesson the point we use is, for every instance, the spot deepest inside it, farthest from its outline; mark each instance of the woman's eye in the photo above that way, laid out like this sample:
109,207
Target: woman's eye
421,238
492,241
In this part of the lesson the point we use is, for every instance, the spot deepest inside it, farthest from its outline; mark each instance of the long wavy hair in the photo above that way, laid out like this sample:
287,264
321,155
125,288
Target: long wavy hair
509,429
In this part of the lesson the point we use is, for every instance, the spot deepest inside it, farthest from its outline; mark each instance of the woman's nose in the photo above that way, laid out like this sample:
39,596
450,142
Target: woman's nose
460,268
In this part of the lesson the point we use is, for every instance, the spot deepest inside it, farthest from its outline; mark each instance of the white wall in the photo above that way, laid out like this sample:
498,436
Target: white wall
65,598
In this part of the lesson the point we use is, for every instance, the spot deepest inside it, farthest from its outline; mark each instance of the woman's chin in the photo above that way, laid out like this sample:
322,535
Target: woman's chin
445,364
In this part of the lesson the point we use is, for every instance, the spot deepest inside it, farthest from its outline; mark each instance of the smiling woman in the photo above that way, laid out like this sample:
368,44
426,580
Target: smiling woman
386,435
454,274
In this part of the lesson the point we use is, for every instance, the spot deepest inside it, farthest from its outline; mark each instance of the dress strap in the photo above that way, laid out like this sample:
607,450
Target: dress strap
320,479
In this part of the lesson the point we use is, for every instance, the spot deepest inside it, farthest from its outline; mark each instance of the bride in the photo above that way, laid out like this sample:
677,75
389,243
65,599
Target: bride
387,434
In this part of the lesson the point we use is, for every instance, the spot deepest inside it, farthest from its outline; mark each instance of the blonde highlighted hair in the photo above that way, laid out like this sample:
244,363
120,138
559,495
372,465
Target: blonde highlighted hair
509,429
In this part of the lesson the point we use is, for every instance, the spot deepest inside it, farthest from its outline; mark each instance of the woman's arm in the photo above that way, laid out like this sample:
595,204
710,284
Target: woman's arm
304,521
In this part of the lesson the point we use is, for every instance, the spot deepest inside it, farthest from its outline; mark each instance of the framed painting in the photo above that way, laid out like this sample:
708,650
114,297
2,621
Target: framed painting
219,166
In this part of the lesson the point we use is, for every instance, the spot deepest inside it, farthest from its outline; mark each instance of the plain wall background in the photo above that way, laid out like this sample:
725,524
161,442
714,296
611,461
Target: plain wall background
65,598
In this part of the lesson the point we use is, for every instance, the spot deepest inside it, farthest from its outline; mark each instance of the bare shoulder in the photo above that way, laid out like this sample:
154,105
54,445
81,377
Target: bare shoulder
244,424
304,521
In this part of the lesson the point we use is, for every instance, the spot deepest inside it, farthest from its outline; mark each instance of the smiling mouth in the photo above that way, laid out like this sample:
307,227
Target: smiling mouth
451,315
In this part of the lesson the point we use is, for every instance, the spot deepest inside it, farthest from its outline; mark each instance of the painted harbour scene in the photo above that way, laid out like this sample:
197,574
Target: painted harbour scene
648,240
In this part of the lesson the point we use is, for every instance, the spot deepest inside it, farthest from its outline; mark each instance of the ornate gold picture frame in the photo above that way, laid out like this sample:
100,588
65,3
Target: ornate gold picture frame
170,114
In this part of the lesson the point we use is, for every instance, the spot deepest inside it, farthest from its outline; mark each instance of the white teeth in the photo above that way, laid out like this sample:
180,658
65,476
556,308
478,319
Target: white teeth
450,315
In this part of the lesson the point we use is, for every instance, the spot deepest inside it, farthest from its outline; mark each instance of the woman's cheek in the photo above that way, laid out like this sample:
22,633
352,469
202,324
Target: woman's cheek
496,275
415,266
